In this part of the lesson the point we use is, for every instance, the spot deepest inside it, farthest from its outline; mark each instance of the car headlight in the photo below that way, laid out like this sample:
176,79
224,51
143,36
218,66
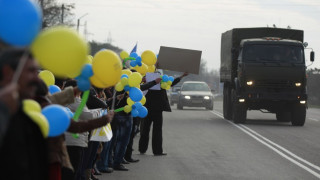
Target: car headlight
187,97
249,83
298,84
206,97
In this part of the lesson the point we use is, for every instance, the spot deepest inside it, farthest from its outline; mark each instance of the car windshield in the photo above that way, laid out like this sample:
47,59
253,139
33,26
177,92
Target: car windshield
195,87
272,53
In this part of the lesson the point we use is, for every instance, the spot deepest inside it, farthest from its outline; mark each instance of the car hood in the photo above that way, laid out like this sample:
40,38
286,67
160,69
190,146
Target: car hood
196,93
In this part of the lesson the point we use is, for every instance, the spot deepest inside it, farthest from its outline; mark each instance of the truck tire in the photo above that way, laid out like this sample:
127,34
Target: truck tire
298,115
283,116
227,102
239,113
179,106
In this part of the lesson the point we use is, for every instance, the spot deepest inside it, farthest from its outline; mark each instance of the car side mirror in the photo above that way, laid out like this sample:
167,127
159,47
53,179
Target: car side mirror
312,56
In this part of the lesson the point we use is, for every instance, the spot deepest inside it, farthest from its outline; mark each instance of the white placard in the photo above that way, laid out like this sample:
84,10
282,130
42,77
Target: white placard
151,77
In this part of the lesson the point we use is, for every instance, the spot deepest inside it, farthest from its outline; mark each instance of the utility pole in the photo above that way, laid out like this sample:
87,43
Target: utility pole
78,21
62,13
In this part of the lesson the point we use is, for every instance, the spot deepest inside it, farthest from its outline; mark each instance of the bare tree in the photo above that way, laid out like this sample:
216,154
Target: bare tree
56,14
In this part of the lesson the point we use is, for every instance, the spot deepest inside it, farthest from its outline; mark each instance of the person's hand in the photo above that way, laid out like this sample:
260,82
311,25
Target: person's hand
9,96
184,74
109,116
76,90
158,80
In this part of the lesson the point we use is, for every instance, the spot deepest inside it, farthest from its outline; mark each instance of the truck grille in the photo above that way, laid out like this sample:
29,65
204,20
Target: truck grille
274,84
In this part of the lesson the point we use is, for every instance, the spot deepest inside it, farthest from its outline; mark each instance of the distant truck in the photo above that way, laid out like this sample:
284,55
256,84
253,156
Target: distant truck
264,69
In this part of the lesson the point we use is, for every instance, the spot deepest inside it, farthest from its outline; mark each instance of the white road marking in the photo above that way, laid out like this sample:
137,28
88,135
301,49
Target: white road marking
263,140
314,119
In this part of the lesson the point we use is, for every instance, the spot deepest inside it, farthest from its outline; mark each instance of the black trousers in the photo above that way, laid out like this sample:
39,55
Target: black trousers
76,158
135,125
156,118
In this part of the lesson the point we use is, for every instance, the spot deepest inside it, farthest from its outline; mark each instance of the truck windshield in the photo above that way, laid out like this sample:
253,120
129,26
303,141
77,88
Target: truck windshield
273,53
195,87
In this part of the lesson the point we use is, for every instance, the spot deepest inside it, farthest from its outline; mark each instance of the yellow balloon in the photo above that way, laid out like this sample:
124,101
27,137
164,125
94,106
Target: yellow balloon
97,83
127,108
31,106
169,83
126,71
164,85
151,69
47,77
134,79
143,100
149,58
119,87
41,121
142,69
124,54
89,59
107,68
168,87
124,81
60,50
130,102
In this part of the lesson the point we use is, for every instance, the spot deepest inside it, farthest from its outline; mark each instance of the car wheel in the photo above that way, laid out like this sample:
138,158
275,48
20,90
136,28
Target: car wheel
179,106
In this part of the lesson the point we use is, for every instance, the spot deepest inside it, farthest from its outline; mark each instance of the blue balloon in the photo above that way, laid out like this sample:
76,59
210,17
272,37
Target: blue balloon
124,76
135,94
137,105
58,119
134,113
165,78
70,113
139,63
87,71
127,88
54,89
138,59
83,84
20,22
134,55
171,78
133,63
143,112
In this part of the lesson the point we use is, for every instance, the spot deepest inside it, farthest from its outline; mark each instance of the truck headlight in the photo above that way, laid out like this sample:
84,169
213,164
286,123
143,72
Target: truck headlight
298,84
187,97
302,102
206,97
242,100
249,83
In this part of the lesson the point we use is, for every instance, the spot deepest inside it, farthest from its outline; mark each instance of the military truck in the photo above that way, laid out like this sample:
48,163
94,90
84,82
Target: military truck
264,69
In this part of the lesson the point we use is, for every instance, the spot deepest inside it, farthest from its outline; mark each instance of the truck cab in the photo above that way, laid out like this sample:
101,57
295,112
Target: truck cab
264,73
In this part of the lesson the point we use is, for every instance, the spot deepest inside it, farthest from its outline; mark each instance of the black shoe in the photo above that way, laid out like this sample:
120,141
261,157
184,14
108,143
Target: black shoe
132,160
120,167
125,162
108,170
93,177
161,154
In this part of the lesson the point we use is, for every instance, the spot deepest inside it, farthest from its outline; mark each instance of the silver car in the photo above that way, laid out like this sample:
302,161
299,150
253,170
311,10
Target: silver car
173,95
195,94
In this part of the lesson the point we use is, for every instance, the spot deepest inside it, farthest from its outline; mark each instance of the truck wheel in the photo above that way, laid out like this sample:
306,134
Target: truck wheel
239,113
179,106
227,103
298,115
283,116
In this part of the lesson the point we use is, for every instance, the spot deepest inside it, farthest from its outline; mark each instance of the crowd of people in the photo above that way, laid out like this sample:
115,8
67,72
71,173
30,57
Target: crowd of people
26,154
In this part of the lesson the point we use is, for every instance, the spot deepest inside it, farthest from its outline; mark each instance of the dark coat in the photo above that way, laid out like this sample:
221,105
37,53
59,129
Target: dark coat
24,153
157,100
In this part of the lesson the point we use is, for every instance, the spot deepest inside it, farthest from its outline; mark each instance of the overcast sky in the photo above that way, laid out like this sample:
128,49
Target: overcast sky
193,24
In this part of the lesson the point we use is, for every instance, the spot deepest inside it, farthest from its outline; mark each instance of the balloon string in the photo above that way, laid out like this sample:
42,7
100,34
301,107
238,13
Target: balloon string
21,64
78,112
113,98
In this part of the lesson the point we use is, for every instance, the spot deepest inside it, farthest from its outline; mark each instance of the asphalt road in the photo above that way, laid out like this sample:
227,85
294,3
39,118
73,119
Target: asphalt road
202,145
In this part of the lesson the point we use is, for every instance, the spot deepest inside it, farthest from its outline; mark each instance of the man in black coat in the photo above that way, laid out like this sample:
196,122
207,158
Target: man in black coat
157,102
